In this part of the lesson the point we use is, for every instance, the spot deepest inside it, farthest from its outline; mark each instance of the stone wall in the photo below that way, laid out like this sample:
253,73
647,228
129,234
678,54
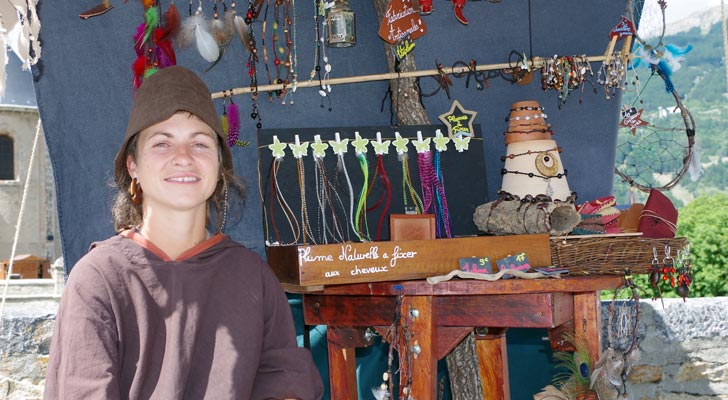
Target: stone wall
684,348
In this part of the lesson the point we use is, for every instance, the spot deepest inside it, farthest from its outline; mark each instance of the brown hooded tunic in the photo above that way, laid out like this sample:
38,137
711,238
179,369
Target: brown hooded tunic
213,324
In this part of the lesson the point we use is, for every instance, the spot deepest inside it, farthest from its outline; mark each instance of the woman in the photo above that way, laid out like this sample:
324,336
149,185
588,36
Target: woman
165,310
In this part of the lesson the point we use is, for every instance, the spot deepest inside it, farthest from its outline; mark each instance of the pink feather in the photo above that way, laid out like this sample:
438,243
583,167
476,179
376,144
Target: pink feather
233,123
139,39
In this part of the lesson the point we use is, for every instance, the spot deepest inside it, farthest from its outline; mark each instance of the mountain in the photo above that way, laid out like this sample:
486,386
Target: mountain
703,88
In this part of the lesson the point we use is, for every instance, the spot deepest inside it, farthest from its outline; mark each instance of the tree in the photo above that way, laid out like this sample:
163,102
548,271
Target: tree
705,223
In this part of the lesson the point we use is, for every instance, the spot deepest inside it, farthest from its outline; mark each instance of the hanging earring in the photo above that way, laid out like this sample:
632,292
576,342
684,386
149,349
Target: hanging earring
135,191
221,224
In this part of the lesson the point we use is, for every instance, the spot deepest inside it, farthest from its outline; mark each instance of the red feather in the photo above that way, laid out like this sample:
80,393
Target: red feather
165,53
171,20
139,39
139,66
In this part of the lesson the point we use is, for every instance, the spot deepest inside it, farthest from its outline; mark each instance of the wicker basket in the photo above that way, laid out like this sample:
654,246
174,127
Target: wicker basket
610,255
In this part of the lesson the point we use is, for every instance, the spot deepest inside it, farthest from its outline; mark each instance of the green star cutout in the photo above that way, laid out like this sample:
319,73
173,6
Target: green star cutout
381,147
458,120
422,146
461,143
440,141
360,144
277,148
400,143
339,147
319,147
299,150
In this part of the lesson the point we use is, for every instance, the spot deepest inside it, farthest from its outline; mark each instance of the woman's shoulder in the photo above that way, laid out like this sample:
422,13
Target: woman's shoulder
104,256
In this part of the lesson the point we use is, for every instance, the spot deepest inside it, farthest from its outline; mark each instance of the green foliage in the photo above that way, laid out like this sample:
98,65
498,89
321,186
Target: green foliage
705,223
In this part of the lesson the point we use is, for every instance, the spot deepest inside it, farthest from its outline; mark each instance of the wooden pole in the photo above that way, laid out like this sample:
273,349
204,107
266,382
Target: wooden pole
406,74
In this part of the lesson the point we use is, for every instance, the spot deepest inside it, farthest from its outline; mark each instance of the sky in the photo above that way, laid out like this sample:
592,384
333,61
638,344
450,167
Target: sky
678,9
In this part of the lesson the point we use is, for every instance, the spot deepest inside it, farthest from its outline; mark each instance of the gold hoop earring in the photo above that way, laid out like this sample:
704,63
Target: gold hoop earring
135,191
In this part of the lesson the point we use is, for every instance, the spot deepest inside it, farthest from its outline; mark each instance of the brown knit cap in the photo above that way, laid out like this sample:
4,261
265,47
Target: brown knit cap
168,91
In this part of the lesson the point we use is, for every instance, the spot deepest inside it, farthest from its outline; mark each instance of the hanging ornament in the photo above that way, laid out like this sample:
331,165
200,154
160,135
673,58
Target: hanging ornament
632,119
401,20
459,121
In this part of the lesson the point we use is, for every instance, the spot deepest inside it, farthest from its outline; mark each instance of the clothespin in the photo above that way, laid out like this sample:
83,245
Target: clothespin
319,147
440,140
299,149
381,147
277,148
400,144
360,144
339,146
422,145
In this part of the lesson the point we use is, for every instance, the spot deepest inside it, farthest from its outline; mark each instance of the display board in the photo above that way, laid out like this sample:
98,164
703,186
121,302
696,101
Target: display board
300,167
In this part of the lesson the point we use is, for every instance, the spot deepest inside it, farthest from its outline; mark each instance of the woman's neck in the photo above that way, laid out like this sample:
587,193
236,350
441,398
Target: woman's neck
174,234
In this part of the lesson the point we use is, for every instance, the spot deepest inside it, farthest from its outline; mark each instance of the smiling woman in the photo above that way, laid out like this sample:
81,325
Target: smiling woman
170,308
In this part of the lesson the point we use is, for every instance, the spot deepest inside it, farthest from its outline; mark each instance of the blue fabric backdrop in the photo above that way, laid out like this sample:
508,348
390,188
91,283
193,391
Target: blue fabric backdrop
84,94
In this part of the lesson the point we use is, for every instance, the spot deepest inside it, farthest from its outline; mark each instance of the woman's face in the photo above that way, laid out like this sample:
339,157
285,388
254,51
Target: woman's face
177,163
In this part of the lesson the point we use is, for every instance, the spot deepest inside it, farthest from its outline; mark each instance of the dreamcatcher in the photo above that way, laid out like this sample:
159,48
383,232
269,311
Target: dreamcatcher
656,139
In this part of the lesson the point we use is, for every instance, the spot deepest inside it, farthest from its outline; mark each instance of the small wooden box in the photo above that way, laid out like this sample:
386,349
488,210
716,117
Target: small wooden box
412,227
301,266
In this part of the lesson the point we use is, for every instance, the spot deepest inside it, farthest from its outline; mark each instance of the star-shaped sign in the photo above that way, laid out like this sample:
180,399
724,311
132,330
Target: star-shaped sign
459,121
633,119
422,146
339,146
441,141
277,148
360,144
400,143
319,147
461,143
299,149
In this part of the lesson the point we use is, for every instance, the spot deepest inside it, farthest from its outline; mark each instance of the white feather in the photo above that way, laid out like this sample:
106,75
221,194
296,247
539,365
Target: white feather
242,29
695,169
206,44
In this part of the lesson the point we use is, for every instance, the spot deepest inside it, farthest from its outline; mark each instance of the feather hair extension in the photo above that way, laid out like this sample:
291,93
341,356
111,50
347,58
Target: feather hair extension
225,124
206,44
147,3
138,67
164,50
138,39
171,21
233,123
151,20
186,35
242,29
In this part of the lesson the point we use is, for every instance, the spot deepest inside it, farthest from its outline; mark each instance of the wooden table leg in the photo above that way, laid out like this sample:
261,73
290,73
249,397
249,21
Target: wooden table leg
342,364
588,321
493,361
424,336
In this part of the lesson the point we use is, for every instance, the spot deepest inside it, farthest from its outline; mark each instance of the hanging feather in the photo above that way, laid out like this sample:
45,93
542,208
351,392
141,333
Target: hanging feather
695,169
138,39
147,3
151,19
138,67
171,21
194,29
225,124
164,51
242,29
233,123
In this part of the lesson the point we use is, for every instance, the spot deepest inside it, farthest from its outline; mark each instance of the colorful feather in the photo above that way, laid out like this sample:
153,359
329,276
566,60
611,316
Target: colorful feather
164,51
147,3
151,19
225,124
138,67
233,123
242,29
171,21
138,39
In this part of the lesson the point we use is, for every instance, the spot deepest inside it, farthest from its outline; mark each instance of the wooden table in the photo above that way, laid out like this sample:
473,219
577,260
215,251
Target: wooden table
440,316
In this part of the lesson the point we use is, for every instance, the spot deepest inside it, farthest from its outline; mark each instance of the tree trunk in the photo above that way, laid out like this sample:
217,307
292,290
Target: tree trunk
409,111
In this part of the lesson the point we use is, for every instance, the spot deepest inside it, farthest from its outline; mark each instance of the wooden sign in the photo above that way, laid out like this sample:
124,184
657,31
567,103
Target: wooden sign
401,20
333,264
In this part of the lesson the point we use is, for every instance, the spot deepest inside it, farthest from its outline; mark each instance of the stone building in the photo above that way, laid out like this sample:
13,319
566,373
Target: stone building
39,233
